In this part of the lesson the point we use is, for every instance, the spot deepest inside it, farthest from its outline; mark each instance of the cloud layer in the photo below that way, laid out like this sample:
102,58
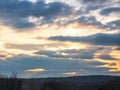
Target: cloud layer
98,39
18,12
46,38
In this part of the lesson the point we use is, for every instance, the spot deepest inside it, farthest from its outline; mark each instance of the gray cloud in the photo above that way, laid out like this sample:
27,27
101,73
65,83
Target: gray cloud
88,5
91,20
94,1
107,57
19,23
51,65
74,54
15,13
109,10
26,8
113,25
97,39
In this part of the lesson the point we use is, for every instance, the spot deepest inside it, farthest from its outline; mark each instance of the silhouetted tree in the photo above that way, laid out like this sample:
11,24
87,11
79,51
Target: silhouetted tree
32,85
10,84
51,85
112,85
13,75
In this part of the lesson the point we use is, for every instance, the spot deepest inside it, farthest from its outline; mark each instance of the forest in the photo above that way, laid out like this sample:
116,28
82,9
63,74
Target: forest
62,83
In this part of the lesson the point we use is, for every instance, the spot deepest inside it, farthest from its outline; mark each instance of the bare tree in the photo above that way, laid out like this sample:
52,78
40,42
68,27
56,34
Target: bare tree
14,75
2,76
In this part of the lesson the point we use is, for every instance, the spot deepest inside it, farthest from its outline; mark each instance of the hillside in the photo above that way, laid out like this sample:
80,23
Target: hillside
98,82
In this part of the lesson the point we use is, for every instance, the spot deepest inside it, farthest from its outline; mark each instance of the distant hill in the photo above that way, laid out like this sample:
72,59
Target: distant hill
95,82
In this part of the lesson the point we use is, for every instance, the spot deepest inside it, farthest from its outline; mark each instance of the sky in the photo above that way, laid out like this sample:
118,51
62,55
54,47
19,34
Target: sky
59,38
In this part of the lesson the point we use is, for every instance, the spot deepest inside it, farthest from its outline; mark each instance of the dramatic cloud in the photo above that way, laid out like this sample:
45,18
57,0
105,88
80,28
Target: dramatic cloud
98,4
94,1
106,57
42,38
18,12
110,10
89,21
98,39
113,25
47,66
68,54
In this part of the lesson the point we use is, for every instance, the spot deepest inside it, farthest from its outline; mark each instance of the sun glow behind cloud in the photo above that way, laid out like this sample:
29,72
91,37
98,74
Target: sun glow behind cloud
71,73
35,70
79,23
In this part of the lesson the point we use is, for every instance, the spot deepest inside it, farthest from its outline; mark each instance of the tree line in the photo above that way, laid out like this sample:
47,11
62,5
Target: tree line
14,83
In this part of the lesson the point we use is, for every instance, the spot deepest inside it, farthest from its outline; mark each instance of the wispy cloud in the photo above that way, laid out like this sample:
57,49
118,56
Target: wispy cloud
98,39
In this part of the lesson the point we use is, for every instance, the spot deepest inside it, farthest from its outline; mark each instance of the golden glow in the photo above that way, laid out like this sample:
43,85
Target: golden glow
35,70
75,45
4,55
115,54
114,70
24,42
65,46
113,65
62,53
71,29
70,73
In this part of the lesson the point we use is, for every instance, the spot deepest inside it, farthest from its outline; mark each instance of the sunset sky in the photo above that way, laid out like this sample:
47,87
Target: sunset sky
56,38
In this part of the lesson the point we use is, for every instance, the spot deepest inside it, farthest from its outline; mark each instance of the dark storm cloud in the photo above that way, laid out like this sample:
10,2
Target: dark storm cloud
75,54
110,10
113,25
16,12
25,62
91,20
90,5
97,39
94,1
51,65
19,23
26,8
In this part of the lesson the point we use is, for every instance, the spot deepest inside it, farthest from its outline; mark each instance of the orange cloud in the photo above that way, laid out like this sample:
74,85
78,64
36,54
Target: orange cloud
35,70
71,73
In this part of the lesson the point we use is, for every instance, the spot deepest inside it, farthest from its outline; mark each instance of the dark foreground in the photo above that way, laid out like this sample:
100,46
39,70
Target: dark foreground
68,83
